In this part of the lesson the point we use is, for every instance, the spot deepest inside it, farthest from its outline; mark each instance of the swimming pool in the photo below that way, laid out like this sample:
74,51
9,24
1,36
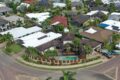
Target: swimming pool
67,58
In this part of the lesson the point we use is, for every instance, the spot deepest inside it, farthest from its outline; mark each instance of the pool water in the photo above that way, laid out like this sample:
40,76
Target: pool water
67,58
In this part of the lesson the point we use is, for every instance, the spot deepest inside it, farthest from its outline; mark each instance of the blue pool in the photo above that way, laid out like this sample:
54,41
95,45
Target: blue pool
67,58
102,25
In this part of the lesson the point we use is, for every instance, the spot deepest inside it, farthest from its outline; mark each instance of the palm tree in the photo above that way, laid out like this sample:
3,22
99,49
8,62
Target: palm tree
68,76
76,45
88,49
32,52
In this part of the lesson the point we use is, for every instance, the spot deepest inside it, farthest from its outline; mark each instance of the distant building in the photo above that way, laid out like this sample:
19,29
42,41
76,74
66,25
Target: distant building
59,20
78,20
114,16
111,25
4,9
40,17
13,19
4,25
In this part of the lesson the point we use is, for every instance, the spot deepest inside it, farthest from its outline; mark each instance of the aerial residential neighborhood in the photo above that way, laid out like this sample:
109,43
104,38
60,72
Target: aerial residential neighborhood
59,39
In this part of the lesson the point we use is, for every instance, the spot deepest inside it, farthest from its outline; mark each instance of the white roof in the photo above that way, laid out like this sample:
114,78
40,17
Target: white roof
56,23
110,1
91,31
33,41
41,17
59,5
111,24
21,31
118,45
2,4
115,13
92,12
95,12
75,0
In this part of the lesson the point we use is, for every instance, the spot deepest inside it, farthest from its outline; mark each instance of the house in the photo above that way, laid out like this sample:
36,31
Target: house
100,8
41,41
21,31
79,19
58,1
111,25
60,5
97,34
62,20
4,9
114,16
28,1
68,38
15,1
95,45
110,1
13,18
76,3
40,17
97,13
23,6
4,25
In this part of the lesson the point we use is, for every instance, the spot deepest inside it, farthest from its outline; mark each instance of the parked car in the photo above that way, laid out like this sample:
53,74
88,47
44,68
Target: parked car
106,53
115,52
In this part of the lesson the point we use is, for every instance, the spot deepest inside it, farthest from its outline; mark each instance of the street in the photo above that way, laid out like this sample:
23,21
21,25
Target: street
10,69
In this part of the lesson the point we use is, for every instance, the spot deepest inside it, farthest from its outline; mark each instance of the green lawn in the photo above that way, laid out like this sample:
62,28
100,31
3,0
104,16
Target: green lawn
13,48
50,53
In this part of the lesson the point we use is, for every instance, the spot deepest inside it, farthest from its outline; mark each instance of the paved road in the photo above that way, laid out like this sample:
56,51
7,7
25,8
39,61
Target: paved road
115,62
9,69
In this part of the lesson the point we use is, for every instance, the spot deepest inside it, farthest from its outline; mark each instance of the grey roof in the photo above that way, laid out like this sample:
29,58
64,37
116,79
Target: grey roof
2,21
80,18
13,18
5,9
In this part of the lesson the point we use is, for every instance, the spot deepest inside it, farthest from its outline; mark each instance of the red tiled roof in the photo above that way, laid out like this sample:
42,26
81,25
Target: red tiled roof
61,19
28,1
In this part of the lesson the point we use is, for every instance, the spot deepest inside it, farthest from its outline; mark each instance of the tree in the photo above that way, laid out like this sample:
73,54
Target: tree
13,5
68,2
115,37
108,46
59,28
51,53
68,76
32,52
19,23
87,49
76,45
112,7
98,2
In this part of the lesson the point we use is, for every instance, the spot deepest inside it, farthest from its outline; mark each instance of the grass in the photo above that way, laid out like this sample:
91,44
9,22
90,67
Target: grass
13,48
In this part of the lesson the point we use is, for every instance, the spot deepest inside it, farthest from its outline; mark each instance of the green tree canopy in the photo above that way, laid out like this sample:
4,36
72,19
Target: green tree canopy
68,75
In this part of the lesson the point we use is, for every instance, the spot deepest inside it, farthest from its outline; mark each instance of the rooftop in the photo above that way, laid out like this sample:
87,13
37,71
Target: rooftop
21,31
3,21
59,20
13,18
39,38
80,18
100,35
61,5
41,17
112,25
